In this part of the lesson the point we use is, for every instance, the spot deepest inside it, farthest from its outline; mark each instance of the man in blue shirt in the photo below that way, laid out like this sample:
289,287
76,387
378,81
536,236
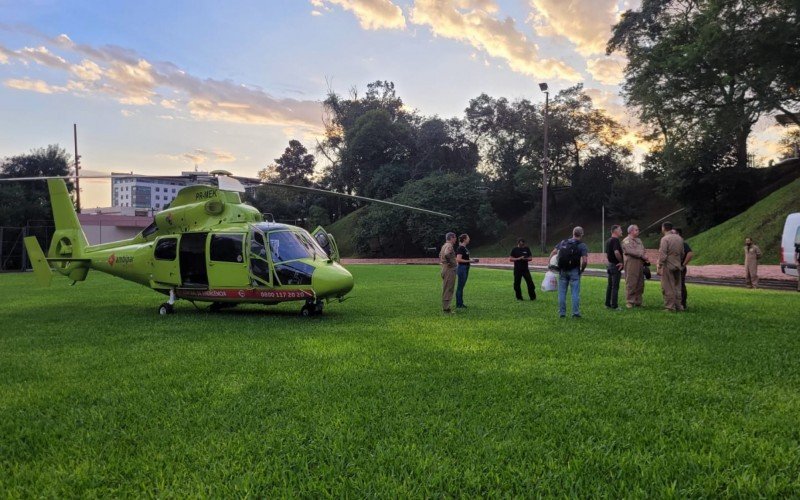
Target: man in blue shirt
573,256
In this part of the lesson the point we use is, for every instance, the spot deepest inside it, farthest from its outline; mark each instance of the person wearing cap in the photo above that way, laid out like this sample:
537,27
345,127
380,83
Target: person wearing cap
520,256
447,257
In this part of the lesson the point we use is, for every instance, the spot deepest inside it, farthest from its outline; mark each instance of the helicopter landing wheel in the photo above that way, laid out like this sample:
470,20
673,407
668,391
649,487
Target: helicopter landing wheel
166,308
307,310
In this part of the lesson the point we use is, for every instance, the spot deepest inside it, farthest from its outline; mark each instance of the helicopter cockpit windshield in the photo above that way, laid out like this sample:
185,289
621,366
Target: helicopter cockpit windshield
293,245
286,246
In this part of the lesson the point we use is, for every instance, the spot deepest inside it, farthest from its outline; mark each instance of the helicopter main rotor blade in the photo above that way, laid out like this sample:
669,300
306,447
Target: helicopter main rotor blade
70,177
351,196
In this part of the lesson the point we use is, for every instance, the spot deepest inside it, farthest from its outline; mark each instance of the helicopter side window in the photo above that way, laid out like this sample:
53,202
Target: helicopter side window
257,246
166,249
226,248
258,257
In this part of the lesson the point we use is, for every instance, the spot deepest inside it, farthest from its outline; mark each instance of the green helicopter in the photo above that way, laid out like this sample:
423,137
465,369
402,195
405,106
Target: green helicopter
208,246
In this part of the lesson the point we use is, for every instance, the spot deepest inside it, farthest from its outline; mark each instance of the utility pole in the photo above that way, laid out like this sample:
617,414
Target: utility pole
543,237
77,169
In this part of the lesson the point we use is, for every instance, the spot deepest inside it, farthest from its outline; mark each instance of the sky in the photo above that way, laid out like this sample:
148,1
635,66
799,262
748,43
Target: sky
160,87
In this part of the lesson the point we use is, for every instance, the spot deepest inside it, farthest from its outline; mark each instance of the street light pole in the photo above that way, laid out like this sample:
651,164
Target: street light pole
545,161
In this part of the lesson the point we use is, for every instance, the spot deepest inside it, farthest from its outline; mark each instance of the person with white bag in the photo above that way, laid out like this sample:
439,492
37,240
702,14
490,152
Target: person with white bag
550,281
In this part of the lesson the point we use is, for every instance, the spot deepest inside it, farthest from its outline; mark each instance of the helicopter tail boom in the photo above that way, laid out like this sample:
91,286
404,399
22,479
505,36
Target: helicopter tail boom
69,241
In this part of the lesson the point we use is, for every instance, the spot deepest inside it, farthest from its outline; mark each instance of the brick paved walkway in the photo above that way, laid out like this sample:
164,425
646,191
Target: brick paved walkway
709,272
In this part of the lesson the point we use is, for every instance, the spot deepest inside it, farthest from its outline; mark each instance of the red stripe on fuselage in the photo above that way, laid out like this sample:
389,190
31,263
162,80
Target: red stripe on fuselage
245,295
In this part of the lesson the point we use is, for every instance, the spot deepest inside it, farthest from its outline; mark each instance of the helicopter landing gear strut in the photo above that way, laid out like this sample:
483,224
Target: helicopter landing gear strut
169,306
312,308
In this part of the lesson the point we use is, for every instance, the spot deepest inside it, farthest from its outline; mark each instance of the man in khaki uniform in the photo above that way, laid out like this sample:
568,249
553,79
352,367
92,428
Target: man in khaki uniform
635,260
670,263
447,257
751,256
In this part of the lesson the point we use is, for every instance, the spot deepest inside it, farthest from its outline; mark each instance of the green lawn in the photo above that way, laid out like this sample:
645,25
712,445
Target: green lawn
385,396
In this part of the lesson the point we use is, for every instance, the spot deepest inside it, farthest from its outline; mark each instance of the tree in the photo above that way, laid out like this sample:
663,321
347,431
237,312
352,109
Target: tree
593,182
790,144
363,134
294,166
511,140
394,231
707,70
25,202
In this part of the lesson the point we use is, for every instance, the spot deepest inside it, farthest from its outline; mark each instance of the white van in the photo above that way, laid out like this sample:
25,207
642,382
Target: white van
791,235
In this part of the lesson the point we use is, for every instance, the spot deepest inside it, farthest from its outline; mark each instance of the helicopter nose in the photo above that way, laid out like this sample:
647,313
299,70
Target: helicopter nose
331,280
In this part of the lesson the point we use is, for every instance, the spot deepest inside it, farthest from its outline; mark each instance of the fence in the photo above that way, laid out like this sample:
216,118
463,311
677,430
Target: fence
13,256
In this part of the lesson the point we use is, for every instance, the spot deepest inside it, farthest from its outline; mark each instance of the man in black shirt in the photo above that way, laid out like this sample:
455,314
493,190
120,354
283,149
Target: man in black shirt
520,256
614,269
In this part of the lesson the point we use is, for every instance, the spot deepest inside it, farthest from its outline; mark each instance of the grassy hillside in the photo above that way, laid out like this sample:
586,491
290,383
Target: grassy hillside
343,230
763,222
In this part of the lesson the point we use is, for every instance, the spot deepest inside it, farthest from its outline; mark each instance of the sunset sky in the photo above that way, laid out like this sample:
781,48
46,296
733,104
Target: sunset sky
159,87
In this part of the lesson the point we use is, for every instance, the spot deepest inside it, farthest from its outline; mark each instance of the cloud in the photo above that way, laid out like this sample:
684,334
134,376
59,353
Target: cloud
201,156
44,57
473,22
371,14
607,70
39,86
586,23
5,55
134,81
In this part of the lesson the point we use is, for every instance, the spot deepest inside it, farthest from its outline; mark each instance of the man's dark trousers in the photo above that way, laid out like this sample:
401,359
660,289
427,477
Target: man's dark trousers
518,275
612,290
683,287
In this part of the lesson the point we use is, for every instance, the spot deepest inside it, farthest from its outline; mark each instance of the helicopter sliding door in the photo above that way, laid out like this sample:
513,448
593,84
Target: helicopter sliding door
165,261
192,253
327,242
226,264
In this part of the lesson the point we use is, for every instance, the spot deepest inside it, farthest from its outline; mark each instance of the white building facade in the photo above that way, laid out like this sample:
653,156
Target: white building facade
145,192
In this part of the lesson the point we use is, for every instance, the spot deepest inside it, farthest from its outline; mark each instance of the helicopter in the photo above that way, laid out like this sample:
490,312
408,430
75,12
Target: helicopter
207,246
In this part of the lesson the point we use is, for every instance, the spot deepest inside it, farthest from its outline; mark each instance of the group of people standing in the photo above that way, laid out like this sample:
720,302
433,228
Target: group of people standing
628,255
674,254
455,265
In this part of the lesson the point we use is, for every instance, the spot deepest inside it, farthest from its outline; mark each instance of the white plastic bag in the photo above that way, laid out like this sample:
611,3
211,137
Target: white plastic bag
550,282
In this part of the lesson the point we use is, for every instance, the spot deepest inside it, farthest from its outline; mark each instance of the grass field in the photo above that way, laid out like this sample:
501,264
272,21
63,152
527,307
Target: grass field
385,396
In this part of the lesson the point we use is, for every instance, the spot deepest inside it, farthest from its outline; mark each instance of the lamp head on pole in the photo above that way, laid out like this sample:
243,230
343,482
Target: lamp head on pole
543,87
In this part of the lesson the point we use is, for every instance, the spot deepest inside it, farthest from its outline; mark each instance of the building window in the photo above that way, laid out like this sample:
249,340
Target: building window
173,190
157,190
